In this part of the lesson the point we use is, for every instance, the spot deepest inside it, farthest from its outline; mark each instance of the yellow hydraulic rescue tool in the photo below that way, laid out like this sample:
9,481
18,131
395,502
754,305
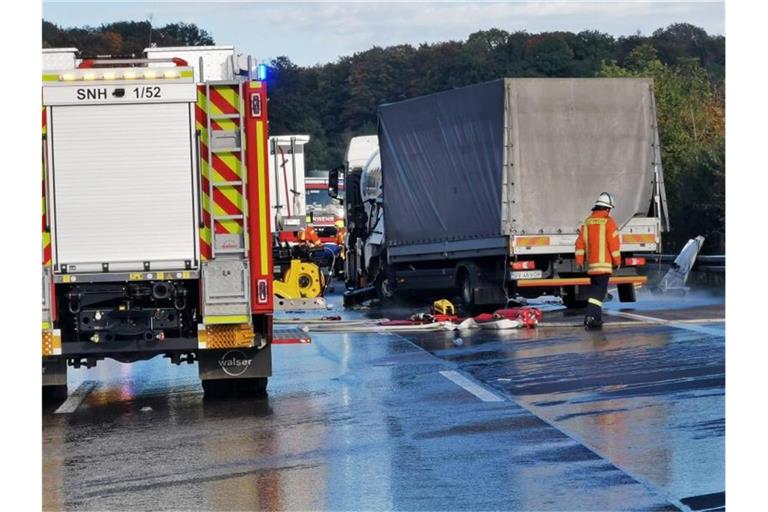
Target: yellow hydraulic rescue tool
303,280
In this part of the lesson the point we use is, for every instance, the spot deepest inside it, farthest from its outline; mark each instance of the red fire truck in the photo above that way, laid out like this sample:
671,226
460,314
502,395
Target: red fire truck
156,221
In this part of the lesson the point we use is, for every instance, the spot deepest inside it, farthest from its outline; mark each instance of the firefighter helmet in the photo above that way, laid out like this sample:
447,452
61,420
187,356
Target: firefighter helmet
605,200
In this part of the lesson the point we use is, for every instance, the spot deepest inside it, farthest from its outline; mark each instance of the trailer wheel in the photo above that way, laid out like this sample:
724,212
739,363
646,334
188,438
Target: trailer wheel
466,288
571,302
384,289
627,292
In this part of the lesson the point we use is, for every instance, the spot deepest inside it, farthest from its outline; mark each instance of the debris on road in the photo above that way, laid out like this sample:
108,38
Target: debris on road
673,282
502,319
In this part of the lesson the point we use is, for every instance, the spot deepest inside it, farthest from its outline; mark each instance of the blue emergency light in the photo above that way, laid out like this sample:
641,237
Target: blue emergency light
261,71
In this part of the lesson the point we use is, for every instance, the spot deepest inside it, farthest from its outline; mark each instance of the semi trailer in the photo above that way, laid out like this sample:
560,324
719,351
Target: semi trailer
156,219
481,190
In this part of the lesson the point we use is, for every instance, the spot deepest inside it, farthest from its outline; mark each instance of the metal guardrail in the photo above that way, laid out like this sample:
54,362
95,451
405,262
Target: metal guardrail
704,262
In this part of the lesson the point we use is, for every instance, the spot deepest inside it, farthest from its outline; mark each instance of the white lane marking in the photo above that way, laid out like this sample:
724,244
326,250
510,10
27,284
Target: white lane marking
671,323
473,387
75,399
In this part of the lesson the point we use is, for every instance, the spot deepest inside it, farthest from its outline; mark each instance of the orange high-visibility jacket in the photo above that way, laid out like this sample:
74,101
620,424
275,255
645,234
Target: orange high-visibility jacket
598,240
309,236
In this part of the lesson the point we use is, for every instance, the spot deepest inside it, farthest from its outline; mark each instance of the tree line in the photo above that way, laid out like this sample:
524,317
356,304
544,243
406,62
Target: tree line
123,38
335,101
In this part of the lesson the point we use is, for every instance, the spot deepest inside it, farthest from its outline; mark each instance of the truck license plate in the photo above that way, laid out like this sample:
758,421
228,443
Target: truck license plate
526,274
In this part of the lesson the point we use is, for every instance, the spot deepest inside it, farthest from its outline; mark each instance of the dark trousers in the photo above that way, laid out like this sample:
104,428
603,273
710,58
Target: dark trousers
597,293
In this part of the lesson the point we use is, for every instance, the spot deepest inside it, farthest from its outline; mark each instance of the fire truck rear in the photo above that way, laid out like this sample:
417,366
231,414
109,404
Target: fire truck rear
156,229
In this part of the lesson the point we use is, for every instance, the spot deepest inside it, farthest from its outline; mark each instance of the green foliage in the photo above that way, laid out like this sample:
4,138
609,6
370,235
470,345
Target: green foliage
549,56
123,38
691,115
336,101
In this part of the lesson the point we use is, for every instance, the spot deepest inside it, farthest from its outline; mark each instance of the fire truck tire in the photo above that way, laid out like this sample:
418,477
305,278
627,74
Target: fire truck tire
53,394
226,388
218,388
252,387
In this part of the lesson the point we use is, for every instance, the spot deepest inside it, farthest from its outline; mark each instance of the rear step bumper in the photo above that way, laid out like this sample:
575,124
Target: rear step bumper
578,281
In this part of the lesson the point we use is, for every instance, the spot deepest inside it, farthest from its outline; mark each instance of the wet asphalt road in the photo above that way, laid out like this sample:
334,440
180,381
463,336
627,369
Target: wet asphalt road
631,418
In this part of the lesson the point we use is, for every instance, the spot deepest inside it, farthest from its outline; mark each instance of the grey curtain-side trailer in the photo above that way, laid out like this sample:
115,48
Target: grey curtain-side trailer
484,187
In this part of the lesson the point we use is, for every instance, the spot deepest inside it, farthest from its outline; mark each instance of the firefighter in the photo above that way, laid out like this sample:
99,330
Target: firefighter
341,232
598,242
308,236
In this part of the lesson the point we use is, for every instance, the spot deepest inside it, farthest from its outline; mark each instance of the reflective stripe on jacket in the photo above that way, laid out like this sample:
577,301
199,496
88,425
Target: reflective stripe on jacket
598,240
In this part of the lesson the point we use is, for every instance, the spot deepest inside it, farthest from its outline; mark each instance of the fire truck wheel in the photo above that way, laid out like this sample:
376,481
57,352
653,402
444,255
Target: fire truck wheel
218,388
226,388
252,387
54,393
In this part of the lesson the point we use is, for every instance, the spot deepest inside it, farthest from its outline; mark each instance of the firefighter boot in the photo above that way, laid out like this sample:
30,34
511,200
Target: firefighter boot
592,324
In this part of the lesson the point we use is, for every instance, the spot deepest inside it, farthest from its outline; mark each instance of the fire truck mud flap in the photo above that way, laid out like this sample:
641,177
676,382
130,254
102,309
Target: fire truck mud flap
235,364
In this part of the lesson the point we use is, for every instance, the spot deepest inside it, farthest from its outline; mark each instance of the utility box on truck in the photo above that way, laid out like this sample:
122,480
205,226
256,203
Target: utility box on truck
156,230
208,63
59,58
485,187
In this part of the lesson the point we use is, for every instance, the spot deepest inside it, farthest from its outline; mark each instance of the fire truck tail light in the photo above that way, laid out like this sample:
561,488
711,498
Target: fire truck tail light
109,75
255,105
171,73
89,76
262,296
634,262
130,75
524,265
67,76
150,74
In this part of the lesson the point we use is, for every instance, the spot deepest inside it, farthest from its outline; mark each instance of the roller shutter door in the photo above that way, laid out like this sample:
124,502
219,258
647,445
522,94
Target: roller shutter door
123,185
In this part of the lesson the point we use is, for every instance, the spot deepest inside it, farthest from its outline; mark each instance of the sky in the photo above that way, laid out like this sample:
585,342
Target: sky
319,32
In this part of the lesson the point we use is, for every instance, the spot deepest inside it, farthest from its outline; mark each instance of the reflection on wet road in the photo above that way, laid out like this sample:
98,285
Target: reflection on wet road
631,418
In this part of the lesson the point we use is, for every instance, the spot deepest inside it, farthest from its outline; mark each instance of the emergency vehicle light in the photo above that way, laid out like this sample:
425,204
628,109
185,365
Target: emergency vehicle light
261,71
128,74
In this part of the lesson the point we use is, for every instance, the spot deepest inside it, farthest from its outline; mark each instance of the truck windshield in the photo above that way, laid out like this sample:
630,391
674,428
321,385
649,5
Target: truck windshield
319,198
